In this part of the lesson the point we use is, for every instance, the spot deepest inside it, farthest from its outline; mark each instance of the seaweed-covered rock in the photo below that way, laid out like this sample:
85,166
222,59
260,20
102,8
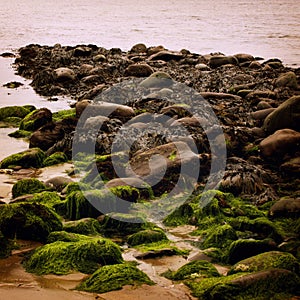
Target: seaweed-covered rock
27,186
36,119
242,249
13,111
55,158
220,237
64,236
50,199
286,115
180,215
20,134
85,256
194,269
114,277
269,284
267,260
5,246
146,237
87,226
30,221
29,158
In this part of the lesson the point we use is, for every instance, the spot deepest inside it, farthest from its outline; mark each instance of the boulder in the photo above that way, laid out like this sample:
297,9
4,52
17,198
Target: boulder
85,255
139,70
157,79
285,207
220,60
285,115
64,75
87,226
27,186
166,56
262,114
28,221
146,237
281,142
288,79
55,158
36,119
13,111
242,57
29,158
138,48
58,183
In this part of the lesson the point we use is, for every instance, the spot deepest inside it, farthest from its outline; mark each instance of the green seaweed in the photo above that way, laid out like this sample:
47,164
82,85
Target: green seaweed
63,114
146,237
65,236
85,255
55,158
13,111
20,134
27,186
114,277
87,226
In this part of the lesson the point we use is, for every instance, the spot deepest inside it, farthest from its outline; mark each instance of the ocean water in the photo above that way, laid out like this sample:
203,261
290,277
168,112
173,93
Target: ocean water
259,27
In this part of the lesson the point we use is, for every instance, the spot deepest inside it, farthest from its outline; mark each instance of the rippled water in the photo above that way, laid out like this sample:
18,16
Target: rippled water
260,27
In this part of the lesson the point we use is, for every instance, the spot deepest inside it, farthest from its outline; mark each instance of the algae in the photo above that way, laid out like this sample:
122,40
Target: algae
55,158
27,186
87,226
146,237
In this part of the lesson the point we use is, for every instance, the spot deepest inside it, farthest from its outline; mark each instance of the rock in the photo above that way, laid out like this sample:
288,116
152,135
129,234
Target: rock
48,135
286,207
291,166
139,70
146,237
95,91
138,48
55,158
86,226
288,79
262,114
255,65
166,56
114,277
220,96
82,51
202,67
27,186
281,142
156,49
157,79
241,249
36,119
85,255
242,57
162,162
99,58
64,75
265,261
28,221
58,183
26,159
95,122
263,105
13,111
220,60
286,115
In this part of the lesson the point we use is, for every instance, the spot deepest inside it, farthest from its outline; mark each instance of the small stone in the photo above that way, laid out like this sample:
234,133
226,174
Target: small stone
139,70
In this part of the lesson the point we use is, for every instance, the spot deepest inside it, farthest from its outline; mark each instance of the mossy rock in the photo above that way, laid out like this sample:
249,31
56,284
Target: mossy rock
179,216
85,256
64,236
125,192
20,134
5,246
13,111
12,122
55,158
87,226
146,237
219,236
50,199
265,261
75,186
29,221
193,270
63,114
36,119
27,186
78,207
270,284
26,159
242,249
114,277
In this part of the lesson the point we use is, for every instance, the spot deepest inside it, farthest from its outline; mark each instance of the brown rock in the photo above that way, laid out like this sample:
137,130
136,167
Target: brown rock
139,70
166,56
286,207
288,79
138,48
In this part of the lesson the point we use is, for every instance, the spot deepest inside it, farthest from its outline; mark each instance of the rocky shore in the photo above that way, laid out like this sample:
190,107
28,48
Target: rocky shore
209,144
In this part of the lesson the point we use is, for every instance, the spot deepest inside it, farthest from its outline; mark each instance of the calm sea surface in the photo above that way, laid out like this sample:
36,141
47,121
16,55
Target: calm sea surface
267,28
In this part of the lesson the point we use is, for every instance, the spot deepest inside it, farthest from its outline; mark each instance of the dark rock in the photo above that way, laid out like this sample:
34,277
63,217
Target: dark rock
166,56
64,75
138,48
139,70
220,60
58,183
36,119
286,207
288,79
82,52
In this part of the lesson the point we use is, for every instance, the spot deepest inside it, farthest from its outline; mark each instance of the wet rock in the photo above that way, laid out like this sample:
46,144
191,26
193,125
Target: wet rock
139,70
55,158
28,221
27,186
138,48
58,183
286,207
146,237
36,119
220,60
242,57
281,142
13,111
86,226
286,115
166,56
157,79
262,114
64,75
288,79
26,159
